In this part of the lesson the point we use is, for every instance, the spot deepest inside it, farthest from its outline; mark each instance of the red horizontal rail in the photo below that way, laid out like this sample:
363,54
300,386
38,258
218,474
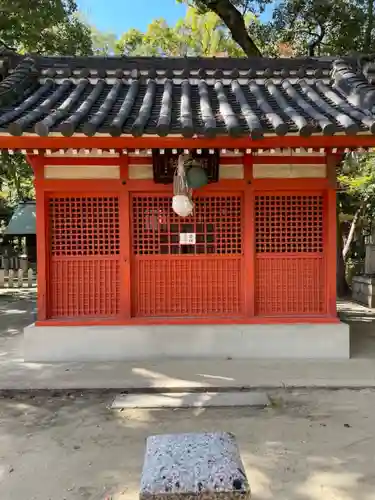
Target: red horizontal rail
272,142
291,255
259,320
84,258
194,257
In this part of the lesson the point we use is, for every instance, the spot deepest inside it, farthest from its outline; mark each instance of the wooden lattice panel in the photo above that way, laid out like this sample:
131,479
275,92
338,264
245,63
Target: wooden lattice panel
216,223
289,286
189,287
84,288
174,279
84,236
290,264
84,226
289,223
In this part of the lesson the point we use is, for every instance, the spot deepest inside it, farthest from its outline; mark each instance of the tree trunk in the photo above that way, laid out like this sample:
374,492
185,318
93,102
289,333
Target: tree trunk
342,288
315,44
348,242
234,21
369,27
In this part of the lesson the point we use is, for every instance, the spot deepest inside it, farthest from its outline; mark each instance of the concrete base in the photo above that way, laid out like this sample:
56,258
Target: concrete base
363,290
117,343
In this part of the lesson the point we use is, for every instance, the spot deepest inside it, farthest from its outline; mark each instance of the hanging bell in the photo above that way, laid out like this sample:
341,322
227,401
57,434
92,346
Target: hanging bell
196,177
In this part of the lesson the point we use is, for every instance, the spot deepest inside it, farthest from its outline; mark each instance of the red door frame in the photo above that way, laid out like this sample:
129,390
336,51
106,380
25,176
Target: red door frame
124,186
202,192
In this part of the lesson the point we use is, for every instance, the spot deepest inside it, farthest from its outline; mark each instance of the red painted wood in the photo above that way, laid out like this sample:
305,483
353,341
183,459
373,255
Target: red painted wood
124,168
84,263
290,251
270,159
271,320
37,164
273,142
249,248
125,243
42,244
203,280
331,241
150,186
99,185
112,187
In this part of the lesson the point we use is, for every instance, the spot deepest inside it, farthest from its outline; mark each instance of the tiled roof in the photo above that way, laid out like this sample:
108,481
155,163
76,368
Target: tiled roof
185,96
23,220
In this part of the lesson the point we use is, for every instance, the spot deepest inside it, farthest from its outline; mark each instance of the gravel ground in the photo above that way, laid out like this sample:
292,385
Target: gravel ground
316,445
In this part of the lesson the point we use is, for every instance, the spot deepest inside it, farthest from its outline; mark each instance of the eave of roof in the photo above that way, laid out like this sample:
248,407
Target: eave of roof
23,220
186,97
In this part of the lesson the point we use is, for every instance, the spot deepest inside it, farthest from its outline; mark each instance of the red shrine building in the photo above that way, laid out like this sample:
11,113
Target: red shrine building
252,271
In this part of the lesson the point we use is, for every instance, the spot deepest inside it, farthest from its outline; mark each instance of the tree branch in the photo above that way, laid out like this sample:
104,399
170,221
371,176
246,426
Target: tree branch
235,22
318,40
349,240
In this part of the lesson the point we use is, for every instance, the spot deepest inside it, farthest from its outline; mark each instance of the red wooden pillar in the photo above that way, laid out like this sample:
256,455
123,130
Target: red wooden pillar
37,163
331,252
249,242
331,235
125,242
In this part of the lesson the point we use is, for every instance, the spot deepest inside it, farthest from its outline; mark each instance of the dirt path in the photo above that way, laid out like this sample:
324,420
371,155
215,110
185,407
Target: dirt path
317,446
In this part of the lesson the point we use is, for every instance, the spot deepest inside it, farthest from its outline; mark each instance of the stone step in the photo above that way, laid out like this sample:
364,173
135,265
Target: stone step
190,400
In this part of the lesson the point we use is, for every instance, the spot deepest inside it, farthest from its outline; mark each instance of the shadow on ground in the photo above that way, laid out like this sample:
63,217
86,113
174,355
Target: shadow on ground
182,375
310,446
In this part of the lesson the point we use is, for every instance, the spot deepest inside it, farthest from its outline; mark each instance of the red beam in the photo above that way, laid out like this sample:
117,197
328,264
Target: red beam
78,142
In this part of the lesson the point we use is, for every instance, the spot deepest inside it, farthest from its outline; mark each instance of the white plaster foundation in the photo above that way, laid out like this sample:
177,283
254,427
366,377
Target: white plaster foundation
117,343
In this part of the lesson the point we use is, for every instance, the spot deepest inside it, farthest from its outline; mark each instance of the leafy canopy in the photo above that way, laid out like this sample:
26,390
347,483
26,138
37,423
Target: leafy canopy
198,34
44,26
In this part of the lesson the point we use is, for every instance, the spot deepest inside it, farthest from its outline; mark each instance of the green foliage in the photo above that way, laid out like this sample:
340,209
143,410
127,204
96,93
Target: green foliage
333,27
231,14
244,6
356,206
43,26
357,179
195,35
16,179
103,44
130,43
337,27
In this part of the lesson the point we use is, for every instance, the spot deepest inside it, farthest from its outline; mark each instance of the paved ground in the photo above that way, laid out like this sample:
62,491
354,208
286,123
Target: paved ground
16,311
309,446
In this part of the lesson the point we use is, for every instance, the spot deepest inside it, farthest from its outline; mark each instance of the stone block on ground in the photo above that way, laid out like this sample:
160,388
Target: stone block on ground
191,466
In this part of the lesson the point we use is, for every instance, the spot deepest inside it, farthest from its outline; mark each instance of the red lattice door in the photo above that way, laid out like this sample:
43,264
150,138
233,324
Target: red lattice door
290,264
84,234
187,267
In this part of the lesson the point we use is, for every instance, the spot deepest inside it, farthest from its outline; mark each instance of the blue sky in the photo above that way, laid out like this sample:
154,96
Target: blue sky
117,16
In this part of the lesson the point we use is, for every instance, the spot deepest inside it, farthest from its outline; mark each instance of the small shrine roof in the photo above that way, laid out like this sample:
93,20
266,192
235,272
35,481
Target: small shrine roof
189,97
